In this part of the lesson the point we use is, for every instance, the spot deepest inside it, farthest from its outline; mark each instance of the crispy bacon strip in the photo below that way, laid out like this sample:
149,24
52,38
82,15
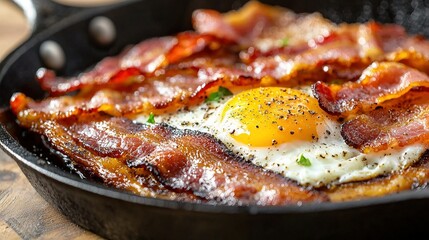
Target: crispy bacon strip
399,47
379,82
191,165
168,92
261,26
331,60
141,60
397,123
231,26
144,57
110,169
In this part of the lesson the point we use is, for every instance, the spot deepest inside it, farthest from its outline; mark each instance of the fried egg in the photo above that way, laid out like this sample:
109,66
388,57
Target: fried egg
284,130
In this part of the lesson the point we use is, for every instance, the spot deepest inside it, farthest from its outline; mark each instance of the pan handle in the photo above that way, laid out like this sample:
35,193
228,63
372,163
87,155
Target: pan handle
41,14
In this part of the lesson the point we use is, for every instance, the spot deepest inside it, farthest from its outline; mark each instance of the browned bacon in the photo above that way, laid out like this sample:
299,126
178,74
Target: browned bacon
334,59
174,89
261,26
396,123
144,57
393,40
134,63
414,53
187,165
378,83
96,164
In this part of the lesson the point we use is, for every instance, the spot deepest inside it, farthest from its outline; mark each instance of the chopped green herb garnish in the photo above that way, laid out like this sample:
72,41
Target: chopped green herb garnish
151,118
303,161
216,96
284,42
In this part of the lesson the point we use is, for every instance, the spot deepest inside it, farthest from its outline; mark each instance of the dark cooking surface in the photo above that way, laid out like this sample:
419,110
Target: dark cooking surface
120,215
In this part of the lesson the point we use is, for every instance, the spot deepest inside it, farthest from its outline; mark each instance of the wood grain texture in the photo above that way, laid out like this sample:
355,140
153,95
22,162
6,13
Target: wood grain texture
23,213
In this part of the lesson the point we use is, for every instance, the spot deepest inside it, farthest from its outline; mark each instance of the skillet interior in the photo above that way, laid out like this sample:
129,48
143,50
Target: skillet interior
119,215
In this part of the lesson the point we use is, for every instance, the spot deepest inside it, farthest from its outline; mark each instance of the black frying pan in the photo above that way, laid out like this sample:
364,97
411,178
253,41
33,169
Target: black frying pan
119,215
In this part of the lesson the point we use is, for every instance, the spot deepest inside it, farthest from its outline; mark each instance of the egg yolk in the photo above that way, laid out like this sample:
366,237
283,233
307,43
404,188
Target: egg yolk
269,116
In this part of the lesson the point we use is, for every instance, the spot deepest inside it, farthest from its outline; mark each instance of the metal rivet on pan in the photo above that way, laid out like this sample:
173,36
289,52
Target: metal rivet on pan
102,30
52,55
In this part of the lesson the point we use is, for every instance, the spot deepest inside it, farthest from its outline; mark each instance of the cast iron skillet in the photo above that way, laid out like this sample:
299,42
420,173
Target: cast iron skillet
119,215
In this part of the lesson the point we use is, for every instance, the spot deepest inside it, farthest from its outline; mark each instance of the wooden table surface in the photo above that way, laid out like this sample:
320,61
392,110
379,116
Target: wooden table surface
23,213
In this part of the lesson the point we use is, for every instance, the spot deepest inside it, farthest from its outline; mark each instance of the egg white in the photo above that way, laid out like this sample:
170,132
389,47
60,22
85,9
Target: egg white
332,160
